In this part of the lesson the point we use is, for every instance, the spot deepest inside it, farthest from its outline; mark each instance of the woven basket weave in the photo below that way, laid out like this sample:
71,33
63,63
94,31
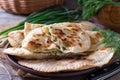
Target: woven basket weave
27,6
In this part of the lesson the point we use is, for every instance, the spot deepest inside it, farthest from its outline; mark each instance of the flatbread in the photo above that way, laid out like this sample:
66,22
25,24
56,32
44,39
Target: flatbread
70,37
86,25
15,38
26,54
28,27
96,38
59,47
96,59
65,37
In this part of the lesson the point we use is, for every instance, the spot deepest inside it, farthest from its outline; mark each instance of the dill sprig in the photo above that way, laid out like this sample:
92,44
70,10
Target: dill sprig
91,7
111,40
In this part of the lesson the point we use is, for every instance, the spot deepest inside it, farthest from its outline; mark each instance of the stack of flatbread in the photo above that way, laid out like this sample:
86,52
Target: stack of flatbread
59,47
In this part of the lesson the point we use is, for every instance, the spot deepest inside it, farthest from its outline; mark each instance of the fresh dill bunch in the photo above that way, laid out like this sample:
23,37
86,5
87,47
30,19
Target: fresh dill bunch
91,7
111,40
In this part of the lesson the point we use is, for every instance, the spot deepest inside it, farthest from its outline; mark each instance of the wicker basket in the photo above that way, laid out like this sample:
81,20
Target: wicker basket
109,16
27,6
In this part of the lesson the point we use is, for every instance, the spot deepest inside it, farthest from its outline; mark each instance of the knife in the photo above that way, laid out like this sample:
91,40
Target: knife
105,72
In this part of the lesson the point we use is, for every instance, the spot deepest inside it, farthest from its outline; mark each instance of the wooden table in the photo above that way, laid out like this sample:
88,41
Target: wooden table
6,18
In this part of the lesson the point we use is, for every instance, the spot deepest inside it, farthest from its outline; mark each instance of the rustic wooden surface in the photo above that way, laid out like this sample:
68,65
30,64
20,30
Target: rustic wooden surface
6,18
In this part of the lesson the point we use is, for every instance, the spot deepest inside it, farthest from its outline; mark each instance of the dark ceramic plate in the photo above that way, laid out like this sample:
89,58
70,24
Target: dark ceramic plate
14,62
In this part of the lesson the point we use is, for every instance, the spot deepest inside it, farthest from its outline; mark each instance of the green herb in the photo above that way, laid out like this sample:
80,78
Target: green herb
47,16
91,7
111,39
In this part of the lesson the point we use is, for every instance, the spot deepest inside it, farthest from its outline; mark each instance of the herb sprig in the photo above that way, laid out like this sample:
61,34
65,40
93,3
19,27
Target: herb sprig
91,7
111,40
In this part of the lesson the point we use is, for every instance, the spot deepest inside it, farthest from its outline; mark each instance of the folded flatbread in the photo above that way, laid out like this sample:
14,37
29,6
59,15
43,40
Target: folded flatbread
53,40
65,37
96,38
95,59
26,54
86,25
15,38
28,27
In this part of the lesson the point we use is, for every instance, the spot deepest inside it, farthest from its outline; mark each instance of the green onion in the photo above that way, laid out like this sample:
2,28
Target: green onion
47,16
